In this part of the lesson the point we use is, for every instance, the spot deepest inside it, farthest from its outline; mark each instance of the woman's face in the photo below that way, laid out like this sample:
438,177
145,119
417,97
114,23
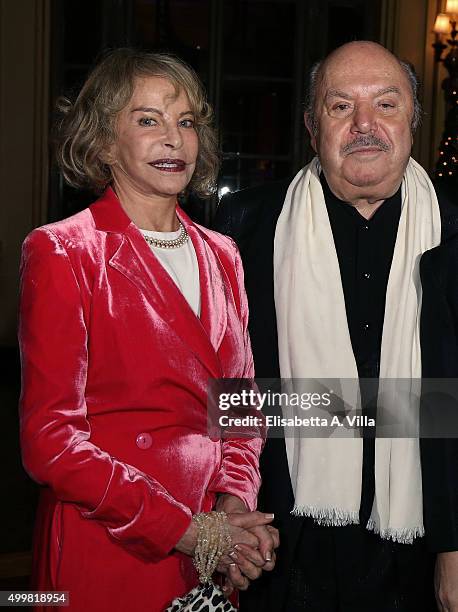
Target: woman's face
157,145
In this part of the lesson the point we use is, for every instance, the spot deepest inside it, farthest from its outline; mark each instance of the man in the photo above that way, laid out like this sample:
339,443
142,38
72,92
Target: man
340,297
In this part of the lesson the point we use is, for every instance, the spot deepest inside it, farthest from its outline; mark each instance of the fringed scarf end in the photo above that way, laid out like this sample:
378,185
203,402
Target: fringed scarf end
402,536
329,517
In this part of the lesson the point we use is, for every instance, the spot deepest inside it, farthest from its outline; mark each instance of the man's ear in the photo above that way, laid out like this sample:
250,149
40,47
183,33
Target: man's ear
310,130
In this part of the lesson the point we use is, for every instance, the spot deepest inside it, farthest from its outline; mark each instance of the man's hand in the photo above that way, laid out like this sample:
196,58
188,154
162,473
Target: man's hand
446,581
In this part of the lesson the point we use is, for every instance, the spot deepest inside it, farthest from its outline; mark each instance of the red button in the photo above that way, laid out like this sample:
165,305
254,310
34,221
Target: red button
144,441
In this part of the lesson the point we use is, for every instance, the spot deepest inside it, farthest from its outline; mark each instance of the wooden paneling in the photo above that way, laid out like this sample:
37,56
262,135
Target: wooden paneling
24,76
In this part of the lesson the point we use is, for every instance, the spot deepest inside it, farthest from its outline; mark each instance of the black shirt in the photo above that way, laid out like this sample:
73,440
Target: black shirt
365,251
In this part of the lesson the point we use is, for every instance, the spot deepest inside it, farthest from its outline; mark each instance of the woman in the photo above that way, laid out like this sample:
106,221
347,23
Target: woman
127,309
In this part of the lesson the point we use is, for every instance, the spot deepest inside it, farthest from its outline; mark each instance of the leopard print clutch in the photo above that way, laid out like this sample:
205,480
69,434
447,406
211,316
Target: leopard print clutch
202,598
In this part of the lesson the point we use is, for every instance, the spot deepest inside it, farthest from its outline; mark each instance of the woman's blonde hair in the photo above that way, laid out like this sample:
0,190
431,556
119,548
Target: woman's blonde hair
86,128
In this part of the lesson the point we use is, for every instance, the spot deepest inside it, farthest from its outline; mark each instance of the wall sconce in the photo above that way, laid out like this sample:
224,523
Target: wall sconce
446,24
447,165
441,26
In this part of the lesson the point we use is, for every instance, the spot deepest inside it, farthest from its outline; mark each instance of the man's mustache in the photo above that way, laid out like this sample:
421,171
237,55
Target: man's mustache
368,140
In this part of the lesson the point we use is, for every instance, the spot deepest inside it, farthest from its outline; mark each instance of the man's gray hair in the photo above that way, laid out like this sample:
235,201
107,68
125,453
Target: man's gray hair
313,82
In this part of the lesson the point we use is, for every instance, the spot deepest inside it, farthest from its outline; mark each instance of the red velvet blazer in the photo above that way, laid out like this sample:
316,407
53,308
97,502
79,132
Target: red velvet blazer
113,409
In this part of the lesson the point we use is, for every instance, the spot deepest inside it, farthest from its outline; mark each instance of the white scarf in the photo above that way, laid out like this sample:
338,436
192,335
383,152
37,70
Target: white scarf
314,342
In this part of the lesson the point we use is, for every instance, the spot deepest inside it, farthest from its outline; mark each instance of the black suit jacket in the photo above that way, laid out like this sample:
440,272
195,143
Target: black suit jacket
250,218
439,349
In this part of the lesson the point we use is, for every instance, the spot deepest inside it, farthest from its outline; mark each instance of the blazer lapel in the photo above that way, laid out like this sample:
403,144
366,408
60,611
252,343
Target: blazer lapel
135,260
213,284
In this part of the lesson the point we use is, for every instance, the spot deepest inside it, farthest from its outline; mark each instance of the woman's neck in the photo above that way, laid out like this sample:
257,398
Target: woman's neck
148,212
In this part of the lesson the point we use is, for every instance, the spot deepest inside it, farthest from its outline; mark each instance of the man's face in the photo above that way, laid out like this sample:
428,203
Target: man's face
364,109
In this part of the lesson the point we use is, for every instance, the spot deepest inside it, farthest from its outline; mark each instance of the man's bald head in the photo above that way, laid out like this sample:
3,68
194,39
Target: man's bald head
354,48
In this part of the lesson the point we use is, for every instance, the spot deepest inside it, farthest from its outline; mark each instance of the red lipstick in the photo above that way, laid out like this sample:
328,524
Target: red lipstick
168,165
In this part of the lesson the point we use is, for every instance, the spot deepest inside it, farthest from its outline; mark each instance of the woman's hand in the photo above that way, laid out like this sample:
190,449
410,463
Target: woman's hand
267,535
234,579
239,529
253,543
242,526
247,562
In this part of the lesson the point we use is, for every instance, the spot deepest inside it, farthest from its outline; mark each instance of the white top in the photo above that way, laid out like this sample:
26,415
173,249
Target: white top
181,264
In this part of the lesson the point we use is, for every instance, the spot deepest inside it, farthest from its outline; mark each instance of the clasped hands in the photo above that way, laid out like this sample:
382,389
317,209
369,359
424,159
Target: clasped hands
254,542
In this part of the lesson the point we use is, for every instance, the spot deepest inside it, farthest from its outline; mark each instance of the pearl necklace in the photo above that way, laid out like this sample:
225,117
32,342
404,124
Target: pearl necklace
174,243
